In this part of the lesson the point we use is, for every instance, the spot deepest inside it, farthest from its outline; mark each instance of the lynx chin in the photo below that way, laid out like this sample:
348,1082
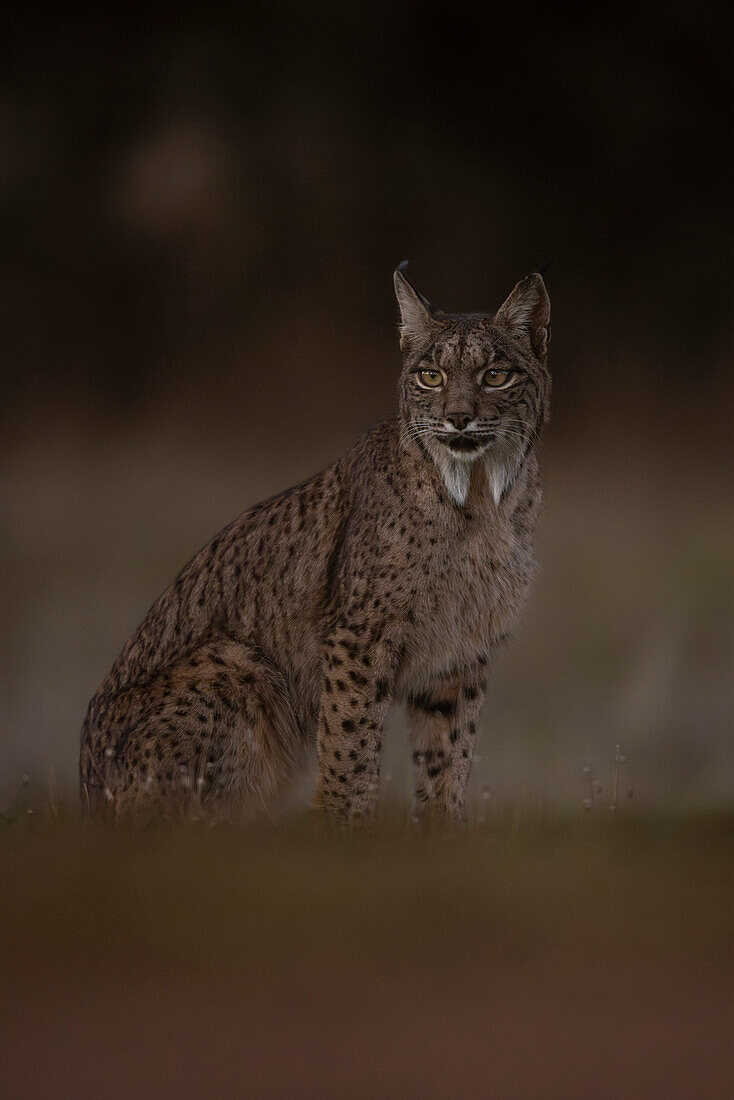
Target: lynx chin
391,575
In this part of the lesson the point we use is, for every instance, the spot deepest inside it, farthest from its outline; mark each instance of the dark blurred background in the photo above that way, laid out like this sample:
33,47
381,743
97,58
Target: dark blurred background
200,217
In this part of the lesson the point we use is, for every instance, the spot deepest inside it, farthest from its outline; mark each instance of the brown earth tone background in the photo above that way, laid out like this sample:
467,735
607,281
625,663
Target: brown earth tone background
200,214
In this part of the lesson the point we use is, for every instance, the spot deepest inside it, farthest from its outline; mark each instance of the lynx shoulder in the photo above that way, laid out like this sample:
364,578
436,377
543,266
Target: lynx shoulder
390,576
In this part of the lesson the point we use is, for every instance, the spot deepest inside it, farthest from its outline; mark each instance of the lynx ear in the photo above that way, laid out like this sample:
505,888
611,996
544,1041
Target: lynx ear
526,313
416,312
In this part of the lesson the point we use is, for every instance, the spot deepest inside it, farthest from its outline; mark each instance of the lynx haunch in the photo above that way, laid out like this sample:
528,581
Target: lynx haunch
391,575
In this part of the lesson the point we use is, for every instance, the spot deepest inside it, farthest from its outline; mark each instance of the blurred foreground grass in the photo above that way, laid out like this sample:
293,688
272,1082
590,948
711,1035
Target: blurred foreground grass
554,957
78,892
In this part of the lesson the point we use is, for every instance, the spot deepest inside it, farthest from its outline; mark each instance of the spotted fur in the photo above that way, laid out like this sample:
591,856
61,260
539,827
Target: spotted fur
391,575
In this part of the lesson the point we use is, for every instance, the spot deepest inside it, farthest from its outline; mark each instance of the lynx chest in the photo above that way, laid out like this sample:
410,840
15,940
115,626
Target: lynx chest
473,579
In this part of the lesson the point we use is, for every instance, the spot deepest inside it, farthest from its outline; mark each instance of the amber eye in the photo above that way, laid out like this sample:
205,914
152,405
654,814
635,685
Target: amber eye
495,378
430,378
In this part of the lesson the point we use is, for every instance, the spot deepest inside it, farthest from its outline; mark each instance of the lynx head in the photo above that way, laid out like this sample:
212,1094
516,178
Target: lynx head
475,386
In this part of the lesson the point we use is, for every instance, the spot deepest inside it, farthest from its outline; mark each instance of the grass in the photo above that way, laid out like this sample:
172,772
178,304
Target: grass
249,896
391,940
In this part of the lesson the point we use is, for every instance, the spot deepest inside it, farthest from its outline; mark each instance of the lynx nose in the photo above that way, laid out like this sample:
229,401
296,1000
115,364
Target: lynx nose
458,417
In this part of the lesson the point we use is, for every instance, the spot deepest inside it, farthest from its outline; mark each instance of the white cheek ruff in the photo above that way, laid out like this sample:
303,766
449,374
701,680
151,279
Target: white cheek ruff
456,471
455,474
499,477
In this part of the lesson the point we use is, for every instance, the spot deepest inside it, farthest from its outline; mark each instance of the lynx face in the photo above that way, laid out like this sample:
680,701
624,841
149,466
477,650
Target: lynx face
475,386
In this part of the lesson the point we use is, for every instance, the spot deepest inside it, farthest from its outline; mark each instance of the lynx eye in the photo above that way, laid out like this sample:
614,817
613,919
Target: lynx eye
430,378
493,379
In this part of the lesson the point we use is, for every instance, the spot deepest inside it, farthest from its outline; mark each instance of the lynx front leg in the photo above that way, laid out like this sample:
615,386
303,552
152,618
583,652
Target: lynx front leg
443,721
357,689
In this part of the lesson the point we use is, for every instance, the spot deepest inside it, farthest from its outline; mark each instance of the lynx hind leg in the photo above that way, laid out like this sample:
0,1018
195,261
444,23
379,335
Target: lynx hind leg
442,722
213,735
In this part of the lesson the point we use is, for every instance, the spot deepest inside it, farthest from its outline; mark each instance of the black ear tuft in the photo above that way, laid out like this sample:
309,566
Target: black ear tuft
542,268
403,267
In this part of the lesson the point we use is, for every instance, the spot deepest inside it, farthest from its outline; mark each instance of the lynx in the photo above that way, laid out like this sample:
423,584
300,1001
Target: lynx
391,575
